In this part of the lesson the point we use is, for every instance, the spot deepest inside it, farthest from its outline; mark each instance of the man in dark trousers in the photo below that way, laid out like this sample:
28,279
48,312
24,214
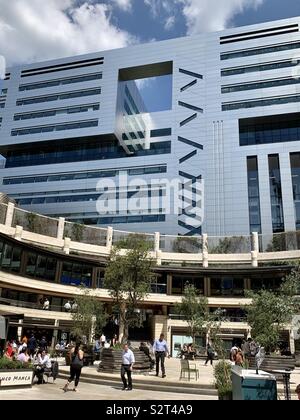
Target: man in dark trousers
128,361
32,344
161,350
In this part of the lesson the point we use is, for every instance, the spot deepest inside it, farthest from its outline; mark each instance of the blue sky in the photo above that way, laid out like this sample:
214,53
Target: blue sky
32,30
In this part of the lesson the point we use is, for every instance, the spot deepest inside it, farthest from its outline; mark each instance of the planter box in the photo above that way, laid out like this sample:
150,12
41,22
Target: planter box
111,361
19,378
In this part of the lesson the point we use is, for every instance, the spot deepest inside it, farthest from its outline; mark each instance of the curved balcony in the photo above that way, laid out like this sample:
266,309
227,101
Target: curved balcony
204,250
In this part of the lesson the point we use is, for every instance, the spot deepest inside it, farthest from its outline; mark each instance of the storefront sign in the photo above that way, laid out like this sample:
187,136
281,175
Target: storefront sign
15,378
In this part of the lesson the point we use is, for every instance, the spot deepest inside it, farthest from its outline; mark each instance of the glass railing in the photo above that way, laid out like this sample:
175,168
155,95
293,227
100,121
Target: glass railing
278,242
85,234
3,210
35,223
29,305
181,244
229,244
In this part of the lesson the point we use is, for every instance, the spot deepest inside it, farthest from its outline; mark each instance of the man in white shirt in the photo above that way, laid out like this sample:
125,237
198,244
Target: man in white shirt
46,305
103,340
128,360
68,306
161,350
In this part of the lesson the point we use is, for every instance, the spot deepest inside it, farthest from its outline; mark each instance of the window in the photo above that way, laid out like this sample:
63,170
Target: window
57,111
261,85
78,153
276,194
281,100
253,195
260,67
66,81
271,129
63,96
76,274
227,286
10,258
60,127
261,50
295,168
180,282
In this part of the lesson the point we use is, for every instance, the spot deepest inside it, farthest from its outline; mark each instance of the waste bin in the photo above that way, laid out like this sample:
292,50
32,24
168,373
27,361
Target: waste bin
248,385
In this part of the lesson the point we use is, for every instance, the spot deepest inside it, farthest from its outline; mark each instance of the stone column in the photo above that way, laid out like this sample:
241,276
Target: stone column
67,245
156,241
55,334
109,238
18,233
9,214
255,249
60,228
292,341
205,250
20,329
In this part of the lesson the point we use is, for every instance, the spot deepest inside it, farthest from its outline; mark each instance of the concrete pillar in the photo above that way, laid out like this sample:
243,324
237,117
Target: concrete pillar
19,233
169,284
9,214
20,329
255,249
55,334
292,341
60,228
67,245
205,250
158,257
156,241
206,286
109,238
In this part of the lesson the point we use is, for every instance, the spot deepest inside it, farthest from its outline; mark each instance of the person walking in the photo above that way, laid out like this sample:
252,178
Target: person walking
75,367
210,354
161,350
128,361
32,345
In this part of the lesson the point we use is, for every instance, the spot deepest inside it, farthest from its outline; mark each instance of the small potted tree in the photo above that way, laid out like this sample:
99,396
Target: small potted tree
15,374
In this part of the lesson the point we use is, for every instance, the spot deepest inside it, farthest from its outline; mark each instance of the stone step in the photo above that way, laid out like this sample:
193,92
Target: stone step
159,386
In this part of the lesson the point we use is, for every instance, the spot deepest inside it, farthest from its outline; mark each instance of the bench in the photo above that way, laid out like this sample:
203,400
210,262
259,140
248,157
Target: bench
187,367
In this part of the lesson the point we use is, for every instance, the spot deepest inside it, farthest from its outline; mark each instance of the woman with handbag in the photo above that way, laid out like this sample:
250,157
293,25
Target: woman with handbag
75,368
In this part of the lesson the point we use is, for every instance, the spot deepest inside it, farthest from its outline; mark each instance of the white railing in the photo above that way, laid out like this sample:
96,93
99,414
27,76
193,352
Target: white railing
201,250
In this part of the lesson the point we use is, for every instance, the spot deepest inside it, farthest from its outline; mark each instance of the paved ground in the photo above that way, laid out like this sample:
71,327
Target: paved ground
102,392
92,392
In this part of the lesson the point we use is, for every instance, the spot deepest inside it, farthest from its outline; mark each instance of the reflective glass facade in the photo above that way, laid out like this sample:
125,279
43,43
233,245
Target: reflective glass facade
253,194
276,194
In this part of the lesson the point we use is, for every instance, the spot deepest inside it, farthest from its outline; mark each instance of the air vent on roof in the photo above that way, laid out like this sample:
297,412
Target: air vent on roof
7,76
61,67
245,36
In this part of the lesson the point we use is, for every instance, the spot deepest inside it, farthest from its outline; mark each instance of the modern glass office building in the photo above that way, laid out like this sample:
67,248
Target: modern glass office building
72,130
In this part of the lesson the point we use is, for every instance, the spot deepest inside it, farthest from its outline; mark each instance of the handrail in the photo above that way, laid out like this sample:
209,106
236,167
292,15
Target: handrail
29,305
201,250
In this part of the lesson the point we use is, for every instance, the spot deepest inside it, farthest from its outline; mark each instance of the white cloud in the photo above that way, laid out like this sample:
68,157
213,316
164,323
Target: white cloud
123,4
31,30
213,15
201,15
170,22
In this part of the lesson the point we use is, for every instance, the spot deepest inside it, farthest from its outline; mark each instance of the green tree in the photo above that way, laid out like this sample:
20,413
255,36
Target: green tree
128,278
269,311
194,308
89,318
